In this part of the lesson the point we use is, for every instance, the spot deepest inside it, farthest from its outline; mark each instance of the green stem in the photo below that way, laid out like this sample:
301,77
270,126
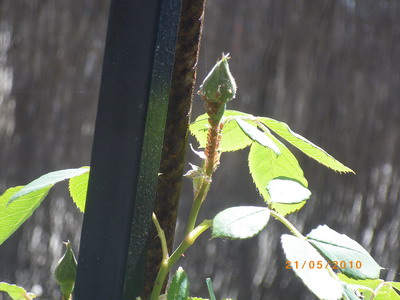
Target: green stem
215,112
375,293
197,202
188,241
158,284
289,225
161,235
210,288
168,263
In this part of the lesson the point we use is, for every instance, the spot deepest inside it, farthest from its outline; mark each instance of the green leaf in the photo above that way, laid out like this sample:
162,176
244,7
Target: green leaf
349,293
78,186
179,288
233,138
47,180
210,288
385,291
344,251
318,280
13,215
304,145
284,190
396,285
264,166
18,203
16,292
197,298
391,294
369,283
258,136
241,222
285,209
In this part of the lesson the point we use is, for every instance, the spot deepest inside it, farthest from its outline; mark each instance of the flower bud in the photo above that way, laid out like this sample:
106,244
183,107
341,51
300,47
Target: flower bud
219,86
65,272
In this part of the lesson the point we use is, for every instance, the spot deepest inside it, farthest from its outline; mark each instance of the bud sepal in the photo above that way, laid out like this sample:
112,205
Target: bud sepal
218,88
65,272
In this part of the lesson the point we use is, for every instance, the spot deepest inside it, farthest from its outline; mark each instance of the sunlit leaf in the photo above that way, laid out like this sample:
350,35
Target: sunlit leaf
17,204
265,165
396,285
391,294
369,283
352,259
13,215
384,290
240,222
287,191
258,136
78,186
318,280
16,292
47,180
304,145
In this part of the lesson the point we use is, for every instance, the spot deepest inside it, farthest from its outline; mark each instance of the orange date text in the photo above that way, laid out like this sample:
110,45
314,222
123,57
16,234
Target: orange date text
323,264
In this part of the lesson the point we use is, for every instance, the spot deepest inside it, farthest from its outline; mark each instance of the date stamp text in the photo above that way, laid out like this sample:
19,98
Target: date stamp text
335,265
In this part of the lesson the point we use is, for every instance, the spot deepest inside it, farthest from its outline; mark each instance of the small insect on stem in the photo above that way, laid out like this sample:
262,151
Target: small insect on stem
217,89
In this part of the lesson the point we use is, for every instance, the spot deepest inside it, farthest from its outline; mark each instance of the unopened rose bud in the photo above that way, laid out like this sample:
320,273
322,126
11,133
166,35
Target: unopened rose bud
65,272
219,86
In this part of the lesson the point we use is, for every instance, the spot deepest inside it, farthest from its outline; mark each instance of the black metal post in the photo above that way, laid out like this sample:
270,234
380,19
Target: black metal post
127,147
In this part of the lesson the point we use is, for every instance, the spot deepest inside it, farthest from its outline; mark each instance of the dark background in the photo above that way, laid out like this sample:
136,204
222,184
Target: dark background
331,69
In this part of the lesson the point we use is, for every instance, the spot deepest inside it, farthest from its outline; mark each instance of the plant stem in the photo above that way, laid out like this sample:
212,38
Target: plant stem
286,222
375,293
188,241
161,235
168,263
191,233
197,202
210,288
158,284
215,110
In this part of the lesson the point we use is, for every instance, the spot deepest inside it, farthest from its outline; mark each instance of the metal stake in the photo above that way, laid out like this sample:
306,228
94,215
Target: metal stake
127,146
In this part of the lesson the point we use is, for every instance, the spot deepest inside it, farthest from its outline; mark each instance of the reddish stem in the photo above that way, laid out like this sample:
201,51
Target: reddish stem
212,153
212,149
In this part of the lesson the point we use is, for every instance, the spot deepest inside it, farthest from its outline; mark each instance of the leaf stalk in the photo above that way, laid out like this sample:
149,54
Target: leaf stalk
169,262
287,223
